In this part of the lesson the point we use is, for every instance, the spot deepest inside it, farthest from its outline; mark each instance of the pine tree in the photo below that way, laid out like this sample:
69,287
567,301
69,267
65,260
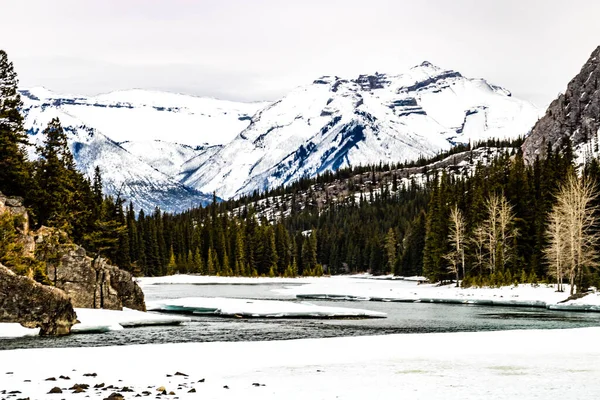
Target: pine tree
15,170
197,263
55,176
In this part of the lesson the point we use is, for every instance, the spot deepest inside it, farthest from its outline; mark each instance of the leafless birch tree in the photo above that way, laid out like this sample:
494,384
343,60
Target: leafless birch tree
457,238
576,210
498,231
556,249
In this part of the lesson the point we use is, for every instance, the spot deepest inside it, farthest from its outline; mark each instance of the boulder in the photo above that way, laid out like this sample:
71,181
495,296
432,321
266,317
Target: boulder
34,305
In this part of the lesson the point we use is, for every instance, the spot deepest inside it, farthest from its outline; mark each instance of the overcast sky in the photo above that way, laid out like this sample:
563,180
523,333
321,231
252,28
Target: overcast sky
260,49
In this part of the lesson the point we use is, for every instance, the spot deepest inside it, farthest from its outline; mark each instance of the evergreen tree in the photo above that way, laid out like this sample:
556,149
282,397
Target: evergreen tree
15,170
390,250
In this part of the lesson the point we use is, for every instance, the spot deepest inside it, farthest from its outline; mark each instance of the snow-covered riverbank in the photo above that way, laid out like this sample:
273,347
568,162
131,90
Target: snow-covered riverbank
527,295
548,364
95,320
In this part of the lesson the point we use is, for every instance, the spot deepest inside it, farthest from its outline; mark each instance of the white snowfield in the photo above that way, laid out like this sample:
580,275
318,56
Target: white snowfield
228,307
506,365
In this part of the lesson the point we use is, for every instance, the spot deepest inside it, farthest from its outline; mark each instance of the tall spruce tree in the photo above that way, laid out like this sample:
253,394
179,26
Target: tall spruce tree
15,169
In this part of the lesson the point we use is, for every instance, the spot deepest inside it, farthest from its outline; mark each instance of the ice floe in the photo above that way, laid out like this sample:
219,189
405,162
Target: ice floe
228,307
98,320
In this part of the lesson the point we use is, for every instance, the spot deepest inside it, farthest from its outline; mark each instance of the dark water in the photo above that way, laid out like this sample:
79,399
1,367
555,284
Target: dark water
402,318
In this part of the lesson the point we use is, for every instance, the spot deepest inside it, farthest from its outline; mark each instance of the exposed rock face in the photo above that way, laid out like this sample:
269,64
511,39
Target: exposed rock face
34,305
574,114
91,283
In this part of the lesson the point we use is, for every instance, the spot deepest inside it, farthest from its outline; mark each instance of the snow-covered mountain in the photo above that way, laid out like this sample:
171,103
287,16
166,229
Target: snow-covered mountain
141,169
337,122
167,149
142,115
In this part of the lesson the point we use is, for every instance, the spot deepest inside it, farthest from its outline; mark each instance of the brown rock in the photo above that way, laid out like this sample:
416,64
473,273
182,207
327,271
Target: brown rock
34,305
115,396
55,390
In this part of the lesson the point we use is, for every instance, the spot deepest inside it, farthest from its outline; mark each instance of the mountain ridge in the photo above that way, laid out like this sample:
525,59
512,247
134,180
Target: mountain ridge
237,148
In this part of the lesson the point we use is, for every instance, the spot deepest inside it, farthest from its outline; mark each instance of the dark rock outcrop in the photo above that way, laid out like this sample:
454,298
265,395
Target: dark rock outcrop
574,114
91,283
34,305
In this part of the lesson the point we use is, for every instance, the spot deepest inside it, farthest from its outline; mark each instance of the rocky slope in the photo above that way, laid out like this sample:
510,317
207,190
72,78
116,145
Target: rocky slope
574,115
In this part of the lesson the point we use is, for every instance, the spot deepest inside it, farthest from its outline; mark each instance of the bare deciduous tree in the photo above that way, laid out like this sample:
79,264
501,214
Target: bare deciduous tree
490,226
575,209
498,231
457,236
556,250
478,243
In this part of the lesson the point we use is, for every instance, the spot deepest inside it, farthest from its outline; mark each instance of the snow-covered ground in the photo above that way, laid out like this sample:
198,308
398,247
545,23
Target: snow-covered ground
227,307
13,330
547,364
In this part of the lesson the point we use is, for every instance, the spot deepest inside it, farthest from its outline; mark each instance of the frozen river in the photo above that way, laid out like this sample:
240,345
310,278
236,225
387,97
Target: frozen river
401,318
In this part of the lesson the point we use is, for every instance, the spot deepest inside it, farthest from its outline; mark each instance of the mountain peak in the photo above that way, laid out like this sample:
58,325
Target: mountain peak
427,65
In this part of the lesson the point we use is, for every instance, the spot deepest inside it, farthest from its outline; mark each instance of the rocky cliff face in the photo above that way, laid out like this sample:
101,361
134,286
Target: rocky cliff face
90,283
574,114
34,305
79,281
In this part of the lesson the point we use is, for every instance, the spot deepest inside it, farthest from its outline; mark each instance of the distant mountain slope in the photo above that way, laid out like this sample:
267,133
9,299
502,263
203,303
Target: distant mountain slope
123,172
141,115
336,122
574,114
